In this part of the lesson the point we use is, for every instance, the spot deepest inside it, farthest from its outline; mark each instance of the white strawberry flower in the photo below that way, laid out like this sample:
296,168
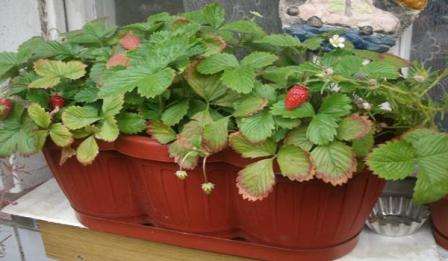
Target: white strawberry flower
366,106
208,187
316,59
365,62
385,106
328,72
334,87
181,174
337,41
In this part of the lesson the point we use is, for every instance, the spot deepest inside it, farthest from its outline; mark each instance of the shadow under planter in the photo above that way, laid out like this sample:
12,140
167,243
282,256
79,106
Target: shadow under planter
439,214
131,190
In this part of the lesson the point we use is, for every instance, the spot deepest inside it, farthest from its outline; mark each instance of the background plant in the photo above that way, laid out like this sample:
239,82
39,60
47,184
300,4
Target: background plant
201,85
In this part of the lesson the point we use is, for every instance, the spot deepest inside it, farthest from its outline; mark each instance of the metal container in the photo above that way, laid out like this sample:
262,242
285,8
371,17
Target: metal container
395,216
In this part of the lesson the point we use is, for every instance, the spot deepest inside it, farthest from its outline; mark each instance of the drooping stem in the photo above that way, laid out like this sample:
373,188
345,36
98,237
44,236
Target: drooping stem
204,170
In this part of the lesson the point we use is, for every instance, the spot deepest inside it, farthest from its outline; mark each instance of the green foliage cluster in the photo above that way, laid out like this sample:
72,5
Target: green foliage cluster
201,85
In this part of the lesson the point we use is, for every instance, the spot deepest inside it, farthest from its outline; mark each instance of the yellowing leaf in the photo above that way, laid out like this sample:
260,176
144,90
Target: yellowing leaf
109,130
215,135
60,135
354,127
112,105
249,106
295,163
161,132
87,151
335,163
248,149
76,117
51,72
257,180
39,115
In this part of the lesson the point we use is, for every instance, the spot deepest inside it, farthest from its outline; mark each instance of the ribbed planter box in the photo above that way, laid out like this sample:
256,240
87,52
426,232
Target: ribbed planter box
439,212
131,189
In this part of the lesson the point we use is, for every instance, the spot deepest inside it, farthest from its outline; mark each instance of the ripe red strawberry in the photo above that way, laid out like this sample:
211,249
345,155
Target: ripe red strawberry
130,41
118,59
57,101
296,96
5,108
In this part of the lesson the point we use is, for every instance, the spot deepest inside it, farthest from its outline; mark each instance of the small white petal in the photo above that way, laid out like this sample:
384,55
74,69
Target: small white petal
365,62
366,106
385,106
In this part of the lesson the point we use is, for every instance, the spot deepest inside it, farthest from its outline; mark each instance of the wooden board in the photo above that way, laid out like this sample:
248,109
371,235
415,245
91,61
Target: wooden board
64,242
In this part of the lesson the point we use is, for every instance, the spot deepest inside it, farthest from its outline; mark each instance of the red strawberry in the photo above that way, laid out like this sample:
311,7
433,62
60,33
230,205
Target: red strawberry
57,101
296,96
130,41
118,59
5,108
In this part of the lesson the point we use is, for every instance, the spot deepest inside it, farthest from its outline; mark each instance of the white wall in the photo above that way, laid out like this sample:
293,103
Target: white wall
19,20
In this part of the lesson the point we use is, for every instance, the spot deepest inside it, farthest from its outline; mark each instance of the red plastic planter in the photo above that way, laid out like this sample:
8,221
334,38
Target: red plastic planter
439,211
131,190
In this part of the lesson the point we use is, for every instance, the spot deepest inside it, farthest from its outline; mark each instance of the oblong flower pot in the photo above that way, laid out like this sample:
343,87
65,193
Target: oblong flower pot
310,214
105,189
439,214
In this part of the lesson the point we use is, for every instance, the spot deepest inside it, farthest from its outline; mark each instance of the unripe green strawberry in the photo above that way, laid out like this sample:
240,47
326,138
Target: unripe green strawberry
5,108
296,96
57,101
130,41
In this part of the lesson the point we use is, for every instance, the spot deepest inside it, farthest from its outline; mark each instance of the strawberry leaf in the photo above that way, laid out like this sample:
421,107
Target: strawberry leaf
248,149
322,129
87,151
354,127
184,157
61,135
295,163
39,115
217,63
76,117
174,114
248,106
297,137
155,84
287,123
335,163
363,146
246,27
131,123
215,135
51,72
213,14
8,61
338,105
280,40
257,128
258,60
109,130
161,132
208,87
240,79
304,111
256,180
112,105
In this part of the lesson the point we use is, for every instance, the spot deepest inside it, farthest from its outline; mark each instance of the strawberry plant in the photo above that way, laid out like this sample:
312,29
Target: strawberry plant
201,86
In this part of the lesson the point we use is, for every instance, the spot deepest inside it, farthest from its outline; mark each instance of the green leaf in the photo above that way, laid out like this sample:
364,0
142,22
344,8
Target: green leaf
161,132
184,157
217,63
87,95
335,163
257,180
40,137
17,134
313,43
214,14
174,114
304,111
51,72
245,27
155,84
60,135
94,32
131,123
427,192
257,128
112,105
240,79
297,137
39,115
354,127
8,60
280,75
208,87
109,130
322,129
393,160
87,151
287,123
248,149
76,117
338,105
294,163
248,106
280,40
380,70
258,60
215,135
363,146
